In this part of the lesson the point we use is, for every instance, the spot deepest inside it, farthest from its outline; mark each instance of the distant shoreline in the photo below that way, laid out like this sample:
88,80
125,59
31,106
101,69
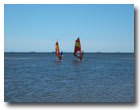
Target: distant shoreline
68,52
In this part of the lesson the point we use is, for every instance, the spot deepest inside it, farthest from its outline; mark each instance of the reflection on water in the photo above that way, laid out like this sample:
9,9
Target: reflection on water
43,78
76,62
57,62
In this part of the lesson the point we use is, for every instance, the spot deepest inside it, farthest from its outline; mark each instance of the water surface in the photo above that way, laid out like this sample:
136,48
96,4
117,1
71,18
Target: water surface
42,78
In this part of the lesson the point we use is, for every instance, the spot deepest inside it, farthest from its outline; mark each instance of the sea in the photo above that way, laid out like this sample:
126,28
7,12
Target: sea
41,77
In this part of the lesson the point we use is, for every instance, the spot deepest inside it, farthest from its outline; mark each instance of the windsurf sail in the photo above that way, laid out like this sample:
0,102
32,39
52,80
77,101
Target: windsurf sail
77,49
57,51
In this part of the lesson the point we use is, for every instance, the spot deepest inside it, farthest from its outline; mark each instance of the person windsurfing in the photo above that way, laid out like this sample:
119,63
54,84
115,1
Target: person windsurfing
77,49
57,52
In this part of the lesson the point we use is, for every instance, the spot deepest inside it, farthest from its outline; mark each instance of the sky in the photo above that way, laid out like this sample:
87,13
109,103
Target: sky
101,28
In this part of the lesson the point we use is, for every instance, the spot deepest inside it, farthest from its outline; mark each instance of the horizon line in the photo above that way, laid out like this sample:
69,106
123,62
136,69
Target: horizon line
66,52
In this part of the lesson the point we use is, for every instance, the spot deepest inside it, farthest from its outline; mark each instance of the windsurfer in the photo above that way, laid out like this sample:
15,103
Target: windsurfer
77,49
61,53
58,54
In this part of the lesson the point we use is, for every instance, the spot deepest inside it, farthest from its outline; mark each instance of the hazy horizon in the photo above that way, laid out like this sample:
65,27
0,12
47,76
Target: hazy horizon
63,52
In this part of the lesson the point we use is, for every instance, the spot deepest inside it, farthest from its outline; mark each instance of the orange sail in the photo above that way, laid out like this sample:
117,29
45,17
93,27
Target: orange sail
77,49
57,51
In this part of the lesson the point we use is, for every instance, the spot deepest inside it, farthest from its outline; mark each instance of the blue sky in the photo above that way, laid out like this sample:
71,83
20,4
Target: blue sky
101,28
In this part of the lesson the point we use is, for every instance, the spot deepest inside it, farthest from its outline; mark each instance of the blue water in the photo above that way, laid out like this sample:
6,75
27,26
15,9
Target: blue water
42,78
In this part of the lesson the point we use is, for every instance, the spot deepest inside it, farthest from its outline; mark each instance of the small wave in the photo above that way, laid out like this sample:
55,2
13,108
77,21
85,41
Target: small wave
127,58
18,58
